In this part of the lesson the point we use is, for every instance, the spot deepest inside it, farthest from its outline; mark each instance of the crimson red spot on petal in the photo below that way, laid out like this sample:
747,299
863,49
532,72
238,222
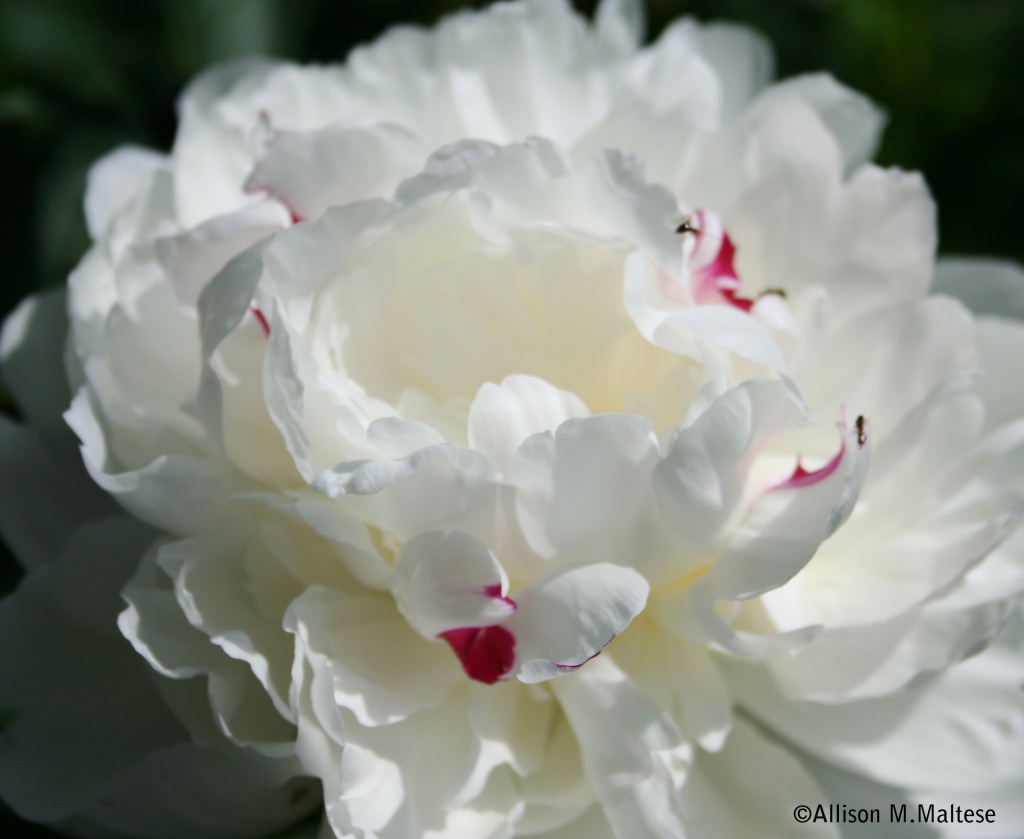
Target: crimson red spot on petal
487,653
742,303
494,591
261,318
267,190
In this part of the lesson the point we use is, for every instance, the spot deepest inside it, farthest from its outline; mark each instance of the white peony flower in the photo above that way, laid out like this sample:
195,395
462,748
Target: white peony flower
473,406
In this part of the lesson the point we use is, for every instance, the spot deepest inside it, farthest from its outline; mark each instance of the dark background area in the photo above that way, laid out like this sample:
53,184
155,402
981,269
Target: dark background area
79,77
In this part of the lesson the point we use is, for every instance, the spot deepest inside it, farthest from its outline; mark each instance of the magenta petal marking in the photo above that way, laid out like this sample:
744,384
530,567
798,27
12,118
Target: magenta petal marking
269,192
494,590
744,304
718,281
802,478
487,653
261,319
589,658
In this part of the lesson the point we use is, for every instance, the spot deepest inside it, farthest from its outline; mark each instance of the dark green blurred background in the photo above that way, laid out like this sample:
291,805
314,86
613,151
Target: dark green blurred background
78,77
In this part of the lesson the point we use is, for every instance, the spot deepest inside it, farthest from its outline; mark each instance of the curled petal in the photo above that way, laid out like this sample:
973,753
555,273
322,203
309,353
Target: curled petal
785,526
447,581
568,616
701,481
687,330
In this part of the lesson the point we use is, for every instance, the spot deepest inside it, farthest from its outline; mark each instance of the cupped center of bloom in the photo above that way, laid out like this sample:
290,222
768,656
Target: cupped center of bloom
438,306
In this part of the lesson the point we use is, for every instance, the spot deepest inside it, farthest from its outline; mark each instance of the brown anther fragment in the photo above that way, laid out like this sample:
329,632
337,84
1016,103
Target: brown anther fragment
861,436
687,227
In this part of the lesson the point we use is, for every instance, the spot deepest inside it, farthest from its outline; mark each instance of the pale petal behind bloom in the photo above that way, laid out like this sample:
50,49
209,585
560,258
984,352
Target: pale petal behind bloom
515,441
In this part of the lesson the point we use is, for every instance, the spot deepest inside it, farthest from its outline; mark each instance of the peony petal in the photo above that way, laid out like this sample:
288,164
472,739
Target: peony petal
314,170
558,792
503,416
701,482
726,793
442,487
581,493
176,493
695,615
785,525
344,536
513,723
375,665
919,738
743,61
207,572
632,751
114,182
793,217
875,660
428,758
645,213
569,615
230,704
449,580
1000,342
887,362
212,154
190,260
687,331
682,677
855,121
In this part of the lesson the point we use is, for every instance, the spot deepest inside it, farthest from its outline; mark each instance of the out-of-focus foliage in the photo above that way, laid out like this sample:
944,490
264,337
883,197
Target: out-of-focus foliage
78,77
